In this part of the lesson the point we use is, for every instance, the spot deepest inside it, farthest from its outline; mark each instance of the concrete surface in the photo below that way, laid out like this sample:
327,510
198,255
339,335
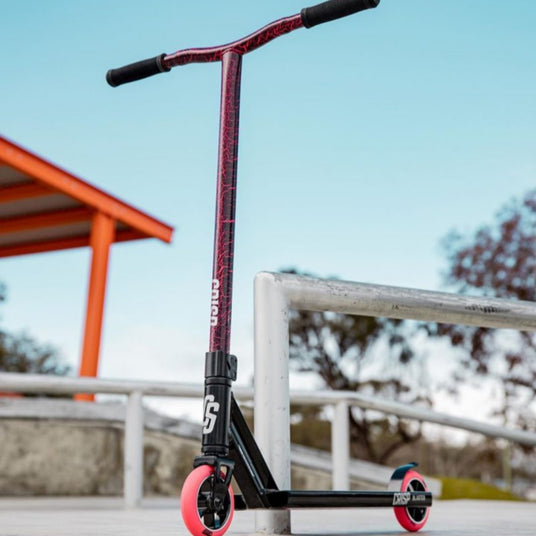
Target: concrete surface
57,447
160,517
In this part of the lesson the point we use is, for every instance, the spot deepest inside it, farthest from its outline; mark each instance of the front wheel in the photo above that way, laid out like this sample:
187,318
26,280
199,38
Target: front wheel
412,518
203,513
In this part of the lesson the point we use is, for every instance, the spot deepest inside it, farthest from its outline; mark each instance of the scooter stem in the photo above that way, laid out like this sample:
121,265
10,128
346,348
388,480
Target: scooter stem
222,268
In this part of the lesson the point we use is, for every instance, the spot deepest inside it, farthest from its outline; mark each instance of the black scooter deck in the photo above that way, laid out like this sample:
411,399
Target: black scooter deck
347,499
259,489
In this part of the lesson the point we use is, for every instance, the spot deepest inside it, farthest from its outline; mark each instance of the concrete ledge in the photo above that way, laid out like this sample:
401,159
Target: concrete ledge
61,447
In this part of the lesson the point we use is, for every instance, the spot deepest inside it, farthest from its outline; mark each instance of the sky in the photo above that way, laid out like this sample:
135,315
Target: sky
362,143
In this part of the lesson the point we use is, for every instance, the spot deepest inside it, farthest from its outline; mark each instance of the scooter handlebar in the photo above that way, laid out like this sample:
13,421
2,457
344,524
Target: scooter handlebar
136,71
309,17
334,9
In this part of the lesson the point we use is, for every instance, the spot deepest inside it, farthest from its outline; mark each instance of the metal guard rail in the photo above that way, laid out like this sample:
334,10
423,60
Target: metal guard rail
136,390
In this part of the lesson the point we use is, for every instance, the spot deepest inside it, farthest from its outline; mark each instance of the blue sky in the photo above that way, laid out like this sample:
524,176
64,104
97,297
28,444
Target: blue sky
362,143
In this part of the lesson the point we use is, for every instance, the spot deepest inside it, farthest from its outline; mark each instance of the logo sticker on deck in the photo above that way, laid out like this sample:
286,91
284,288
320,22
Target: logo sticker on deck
401,498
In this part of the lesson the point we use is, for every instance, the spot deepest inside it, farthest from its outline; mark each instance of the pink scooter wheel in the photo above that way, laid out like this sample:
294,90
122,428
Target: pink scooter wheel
198,516
412,518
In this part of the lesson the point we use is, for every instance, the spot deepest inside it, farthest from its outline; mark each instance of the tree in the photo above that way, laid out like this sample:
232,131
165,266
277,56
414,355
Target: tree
368,355
499,260
22,353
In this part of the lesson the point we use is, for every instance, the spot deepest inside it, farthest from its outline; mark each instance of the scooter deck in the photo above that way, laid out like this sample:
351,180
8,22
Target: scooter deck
295,499
259,489
347,499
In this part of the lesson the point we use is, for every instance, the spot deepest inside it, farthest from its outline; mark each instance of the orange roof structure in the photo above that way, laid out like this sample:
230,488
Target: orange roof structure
45,208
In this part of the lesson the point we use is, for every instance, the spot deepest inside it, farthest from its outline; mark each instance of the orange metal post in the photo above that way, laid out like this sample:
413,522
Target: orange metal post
102,236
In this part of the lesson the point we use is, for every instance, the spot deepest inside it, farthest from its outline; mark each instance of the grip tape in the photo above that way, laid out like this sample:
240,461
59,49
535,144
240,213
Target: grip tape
334,9
136,71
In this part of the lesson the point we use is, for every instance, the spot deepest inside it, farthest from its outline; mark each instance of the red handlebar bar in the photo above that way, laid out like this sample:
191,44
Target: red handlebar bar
310,16
241,46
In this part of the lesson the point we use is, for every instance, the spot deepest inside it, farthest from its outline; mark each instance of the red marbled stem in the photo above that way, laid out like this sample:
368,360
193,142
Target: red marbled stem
231,57
241,46
222,271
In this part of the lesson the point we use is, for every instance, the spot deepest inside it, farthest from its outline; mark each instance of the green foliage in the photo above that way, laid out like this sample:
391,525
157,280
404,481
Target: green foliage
312,433
308,427
22,353
497,260
369,355
465,488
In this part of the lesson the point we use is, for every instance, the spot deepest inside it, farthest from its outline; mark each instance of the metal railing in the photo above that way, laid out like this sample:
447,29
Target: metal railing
276,294
340,400
135,391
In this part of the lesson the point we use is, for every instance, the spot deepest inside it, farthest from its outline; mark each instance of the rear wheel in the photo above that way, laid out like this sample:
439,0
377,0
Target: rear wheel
206,512
412,518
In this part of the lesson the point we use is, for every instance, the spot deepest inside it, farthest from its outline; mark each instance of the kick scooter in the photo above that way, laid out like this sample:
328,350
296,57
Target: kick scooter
228,447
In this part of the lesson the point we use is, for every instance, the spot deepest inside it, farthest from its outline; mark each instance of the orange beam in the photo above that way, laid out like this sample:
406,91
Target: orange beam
102,237
43,246
66,183
16,192
61,243
44,219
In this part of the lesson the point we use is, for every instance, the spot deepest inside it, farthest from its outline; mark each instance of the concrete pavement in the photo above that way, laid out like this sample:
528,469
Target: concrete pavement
161,517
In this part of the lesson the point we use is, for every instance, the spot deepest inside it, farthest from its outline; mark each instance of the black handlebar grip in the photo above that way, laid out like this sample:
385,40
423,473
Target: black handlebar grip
136,71
334,9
